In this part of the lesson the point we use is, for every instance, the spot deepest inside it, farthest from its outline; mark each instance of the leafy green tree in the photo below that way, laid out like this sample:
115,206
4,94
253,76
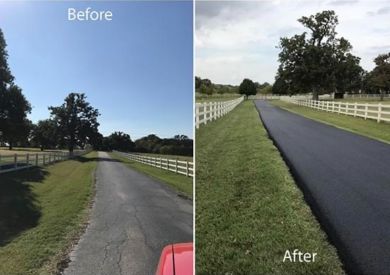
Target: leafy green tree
247,87
380,75
14,107
76,121
14,123
121,142
317,62
6,78
44,134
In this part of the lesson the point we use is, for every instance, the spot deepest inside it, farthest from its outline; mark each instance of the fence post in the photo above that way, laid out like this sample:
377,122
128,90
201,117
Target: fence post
365,111
355,109
15,160
44,159
187,170
176,166
379,112
28,159
36,159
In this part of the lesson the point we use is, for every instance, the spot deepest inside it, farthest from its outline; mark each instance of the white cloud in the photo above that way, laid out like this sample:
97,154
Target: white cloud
237,39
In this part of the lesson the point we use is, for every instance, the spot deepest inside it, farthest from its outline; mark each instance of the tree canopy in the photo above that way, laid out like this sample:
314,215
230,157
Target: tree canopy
247,87
14,107
317,61
45,134
76,120
380,75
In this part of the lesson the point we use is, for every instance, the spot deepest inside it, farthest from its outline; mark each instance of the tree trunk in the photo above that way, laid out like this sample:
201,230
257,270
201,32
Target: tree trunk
315,94
10,146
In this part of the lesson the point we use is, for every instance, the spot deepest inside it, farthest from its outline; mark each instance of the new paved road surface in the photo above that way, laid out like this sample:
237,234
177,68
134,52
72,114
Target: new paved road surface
133,218
345,178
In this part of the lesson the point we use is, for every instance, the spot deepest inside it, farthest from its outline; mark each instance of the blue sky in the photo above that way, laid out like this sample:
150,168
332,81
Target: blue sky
136,69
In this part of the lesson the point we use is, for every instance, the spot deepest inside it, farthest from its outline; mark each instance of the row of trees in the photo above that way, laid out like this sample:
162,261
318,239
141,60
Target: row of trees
319,62
178,145
74,124
206,87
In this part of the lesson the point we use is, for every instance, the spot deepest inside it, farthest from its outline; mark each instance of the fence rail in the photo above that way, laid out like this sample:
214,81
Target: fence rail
366,95
182,167
14,162
209,111
379,112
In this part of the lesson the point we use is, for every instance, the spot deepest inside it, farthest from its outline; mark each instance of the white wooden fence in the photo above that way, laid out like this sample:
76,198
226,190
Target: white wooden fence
376,96
209,111
379,112
14,162
177,166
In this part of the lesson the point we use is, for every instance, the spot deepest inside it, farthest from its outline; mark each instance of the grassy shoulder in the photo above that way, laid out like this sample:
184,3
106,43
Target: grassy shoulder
213,98
179,182
43,210
248,209
369,127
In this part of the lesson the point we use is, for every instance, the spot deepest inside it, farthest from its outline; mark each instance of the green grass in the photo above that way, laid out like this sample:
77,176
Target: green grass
248,209
43,210
206,98
179,182
369,128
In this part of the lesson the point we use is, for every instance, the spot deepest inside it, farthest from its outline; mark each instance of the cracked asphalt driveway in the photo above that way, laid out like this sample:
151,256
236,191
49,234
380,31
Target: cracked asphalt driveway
133,218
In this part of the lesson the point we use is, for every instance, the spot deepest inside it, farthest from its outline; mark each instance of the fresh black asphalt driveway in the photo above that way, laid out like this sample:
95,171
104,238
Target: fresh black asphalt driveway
133,218
345,178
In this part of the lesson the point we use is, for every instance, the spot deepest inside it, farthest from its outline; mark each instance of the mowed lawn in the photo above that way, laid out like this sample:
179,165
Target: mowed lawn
248,209
180,183
42,212
205,98
369,127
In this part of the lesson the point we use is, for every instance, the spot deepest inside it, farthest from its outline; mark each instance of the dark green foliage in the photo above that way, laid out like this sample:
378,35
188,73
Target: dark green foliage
317,62
380,75
76,121
206,87
14,107
6,77
15,127
120,141
45,134
178,145
247,87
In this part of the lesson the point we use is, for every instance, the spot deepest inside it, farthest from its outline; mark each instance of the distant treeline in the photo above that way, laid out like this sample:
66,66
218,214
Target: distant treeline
178,145
206,87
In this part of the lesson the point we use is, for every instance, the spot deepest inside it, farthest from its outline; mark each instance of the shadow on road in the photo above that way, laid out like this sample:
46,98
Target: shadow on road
84,159
18,207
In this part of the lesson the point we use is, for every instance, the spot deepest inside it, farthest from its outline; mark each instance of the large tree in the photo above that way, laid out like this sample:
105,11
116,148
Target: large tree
76,121
120,141
14,107
316,61
247,87
380,75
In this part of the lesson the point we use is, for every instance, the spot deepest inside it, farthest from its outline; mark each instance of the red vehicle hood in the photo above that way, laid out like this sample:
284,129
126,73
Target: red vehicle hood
176,259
